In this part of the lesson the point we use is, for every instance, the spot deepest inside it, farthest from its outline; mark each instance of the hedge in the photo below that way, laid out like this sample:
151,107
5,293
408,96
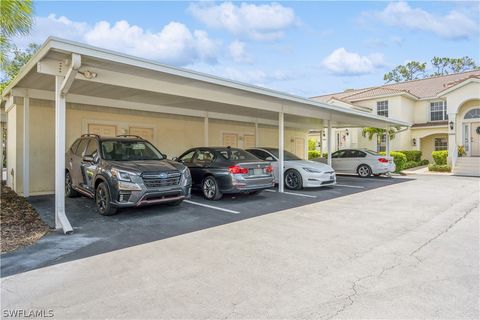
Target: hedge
399,158
440,157
439,168
412,155
413,164
312,154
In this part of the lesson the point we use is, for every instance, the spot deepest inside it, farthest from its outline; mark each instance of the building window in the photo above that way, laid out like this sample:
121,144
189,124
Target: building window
438,111
473,114
441,144
382,108
382,147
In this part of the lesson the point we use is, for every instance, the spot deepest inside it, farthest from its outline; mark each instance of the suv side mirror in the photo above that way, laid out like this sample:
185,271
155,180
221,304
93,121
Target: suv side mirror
89,159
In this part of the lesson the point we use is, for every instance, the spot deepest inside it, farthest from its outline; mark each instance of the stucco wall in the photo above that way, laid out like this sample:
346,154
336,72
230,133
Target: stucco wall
428,145
172,135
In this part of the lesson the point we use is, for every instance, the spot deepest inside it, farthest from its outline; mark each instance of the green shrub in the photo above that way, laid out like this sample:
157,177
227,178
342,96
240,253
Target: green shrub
312,154
399,158
461,151
440,157
412,155
312,144
411,164
424,162
439,168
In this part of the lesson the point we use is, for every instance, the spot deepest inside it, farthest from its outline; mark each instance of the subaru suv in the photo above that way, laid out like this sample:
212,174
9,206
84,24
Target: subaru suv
123,171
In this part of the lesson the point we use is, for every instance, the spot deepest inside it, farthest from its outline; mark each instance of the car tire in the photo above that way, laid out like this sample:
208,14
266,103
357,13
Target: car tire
69,191
210,189
102,200
174,203
293,180
364,171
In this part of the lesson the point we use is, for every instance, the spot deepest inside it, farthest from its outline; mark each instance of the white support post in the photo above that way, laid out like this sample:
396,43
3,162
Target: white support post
257,138
26,147
61,220
281,147
1,147
387,142
205,131
329,143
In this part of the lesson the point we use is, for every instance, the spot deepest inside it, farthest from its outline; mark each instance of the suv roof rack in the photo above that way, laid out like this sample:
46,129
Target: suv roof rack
129,136
90,135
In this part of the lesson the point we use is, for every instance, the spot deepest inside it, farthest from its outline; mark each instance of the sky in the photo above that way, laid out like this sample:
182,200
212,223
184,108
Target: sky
306,48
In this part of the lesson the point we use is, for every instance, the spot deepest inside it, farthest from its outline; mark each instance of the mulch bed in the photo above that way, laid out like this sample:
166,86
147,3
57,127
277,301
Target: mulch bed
20,224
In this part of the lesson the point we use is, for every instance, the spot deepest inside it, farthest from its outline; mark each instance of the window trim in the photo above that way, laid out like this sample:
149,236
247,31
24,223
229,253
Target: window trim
444,110
440,147
383,104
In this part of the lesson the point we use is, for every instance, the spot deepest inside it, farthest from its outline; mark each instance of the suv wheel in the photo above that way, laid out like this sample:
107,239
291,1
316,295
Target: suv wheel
210,189
102,199
69,191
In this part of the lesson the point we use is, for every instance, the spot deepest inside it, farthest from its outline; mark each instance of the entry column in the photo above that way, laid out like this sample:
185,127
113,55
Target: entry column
281,146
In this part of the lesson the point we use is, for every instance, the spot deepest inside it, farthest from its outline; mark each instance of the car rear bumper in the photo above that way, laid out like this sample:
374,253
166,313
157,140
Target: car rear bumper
382,169
240,184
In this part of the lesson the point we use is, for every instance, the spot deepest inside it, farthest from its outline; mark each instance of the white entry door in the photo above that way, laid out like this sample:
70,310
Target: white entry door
248,141
300,147
475,139
104,130
145,133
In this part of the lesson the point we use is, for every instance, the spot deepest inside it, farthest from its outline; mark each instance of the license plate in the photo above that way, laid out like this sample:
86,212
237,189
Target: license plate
257,172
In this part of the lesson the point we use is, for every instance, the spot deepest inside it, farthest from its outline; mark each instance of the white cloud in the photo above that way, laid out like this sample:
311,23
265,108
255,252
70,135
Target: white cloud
175,43
258,22
237,51
454,25
342,62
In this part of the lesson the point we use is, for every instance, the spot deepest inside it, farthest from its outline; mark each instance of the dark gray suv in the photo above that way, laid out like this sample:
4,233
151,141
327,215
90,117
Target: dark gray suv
124,171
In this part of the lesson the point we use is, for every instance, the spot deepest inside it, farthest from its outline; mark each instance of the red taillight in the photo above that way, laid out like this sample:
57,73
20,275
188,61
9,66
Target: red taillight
383,160
237,170
269,169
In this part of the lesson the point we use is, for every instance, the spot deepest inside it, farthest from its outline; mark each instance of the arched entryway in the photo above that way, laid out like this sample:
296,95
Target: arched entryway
471,131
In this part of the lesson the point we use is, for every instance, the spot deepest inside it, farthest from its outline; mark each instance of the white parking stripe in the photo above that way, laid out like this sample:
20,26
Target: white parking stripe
211,207
349,186
294,193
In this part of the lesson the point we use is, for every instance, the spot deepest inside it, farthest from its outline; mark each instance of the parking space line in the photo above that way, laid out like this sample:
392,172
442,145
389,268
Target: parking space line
211,207
294,193
349,186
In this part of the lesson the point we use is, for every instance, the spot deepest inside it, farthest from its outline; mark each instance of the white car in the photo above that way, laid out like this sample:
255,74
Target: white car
298,173
363,162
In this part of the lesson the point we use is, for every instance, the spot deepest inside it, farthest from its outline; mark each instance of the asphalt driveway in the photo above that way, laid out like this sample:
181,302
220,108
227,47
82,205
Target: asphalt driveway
95,234
403,251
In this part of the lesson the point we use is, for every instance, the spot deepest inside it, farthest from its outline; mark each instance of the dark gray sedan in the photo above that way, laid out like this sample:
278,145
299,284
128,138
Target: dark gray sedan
219,170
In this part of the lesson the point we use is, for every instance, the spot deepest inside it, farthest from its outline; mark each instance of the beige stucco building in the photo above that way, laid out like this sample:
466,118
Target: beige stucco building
444,112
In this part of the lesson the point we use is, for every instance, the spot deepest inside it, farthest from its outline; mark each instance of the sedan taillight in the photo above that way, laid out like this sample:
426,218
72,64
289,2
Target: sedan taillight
383,160
269,169
237,170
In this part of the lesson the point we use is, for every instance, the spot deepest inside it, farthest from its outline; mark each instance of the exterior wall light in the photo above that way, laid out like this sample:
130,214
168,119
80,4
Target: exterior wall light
451,125
414,142
346,132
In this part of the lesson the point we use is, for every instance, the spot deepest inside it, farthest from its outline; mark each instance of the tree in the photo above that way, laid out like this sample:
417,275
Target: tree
411,71
371,132
446,65
441,66
12,66
312,144
16,18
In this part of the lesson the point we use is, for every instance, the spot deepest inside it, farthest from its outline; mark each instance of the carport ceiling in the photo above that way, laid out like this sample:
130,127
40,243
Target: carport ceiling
129,82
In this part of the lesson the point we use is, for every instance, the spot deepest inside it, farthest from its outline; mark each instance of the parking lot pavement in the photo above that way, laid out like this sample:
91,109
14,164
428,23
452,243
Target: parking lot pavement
403,251
95,234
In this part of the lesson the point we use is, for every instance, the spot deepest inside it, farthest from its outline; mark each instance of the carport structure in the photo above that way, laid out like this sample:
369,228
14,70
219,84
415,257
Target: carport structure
66,73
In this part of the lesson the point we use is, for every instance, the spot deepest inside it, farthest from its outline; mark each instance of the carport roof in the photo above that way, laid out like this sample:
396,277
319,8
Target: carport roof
134,83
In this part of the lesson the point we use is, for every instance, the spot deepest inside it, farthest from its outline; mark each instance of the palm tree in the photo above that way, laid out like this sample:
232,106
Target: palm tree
16,18
371,132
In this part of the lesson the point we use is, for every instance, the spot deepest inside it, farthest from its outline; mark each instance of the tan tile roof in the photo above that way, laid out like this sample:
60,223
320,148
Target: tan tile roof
422,88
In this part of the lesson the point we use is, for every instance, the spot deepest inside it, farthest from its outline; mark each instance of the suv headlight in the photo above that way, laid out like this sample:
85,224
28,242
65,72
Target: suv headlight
122,175
312,170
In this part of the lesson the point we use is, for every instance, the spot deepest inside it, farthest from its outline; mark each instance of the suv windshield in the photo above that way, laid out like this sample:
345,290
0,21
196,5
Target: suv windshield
287,156
236,154
124,150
